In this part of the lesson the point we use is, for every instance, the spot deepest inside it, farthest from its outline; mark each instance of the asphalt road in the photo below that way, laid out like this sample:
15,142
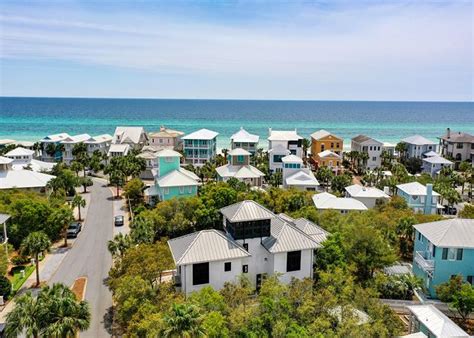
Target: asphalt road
89,257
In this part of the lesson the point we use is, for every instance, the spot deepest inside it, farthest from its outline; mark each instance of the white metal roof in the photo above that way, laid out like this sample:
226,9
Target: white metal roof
287,237
100,138
284,135
329,201
454,232
168,153
317,233
437,160
418,140
34,165
244,136
431,153
320,134
10,179
436,321
279,149
357,190
201,134
292,159
247,210
205,246
238,151
176,178
166,132
77,138
55,137
302,178
4,218
119,148
5,160
328,153
189,174
20,151
132,134
414,189
238,171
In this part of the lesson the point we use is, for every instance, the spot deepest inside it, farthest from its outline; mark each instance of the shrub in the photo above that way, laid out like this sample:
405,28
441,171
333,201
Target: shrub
5,287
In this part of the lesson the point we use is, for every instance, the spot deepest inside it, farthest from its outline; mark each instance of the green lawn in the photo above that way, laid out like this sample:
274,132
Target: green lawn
17,281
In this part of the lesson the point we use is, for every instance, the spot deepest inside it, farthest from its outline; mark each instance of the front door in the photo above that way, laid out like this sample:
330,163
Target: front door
258,282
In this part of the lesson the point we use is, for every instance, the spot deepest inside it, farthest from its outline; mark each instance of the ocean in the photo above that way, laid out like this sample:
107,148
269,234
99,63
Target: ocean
30,119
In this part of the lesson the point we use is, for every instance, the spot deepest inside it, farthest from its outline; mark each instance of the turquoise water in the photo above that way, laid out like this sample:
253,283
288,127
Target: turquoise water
33,118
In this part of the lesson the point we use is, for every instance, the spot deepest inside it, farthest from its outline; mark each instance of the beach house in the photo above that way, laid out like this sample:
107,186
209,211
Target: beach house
200,147
238,166
24,159
51,148
21,178
457,146
280,144
371,147
427,321
243,139
255,242
420,198
326,149
327,201
99,143
296,175
135,137
444,249
170,180
68,145
432,165
370,196
417,146
165,138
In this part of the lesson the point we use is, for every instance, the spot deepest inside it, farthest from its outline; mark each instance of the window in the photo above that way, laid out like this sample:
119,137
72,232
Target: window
374,158
190,189
470,279
293,261
181,190
161,140
168,159
378,148
459,145
277,158
451,254
337,145
245,268
200,273
240,158
459,254
322,147
166,191
227,266
332,145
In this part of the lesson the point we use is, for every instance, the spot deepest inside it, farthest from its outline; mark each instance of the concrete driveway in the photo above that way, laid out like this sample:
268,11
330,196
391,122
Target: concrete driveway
90,258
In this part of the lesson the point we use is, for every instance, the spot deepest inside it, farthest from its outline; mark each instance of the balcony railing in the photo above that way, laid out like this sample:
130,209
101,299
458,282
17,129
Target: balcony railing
423,259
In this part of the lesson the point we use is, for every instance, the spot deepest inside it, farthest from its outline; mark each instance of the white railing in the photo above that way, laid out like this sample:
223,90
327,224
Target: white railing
421,258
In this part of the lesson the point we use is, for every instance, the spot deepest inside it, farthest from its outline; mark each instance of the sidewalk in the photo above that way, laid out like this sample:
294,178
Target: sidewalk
50,263
120,208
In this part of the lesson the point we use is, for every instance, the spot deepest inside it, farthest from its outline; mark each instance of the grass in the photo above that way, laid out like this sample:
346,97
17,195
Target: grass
17,280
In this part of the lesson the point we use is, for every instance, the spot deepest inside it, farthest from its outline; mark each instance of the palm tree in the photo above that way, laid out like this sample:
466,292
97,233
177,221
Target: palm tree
55,312
306,144
465,169
78,202
37,147
401,147
119,245
183,321
76,166
325,175
62,217
35,243
50,149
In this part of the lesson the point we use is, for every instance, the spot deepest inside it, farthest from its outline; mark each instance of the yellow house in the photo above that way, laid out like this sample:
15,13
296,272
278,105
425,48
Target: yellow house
326,149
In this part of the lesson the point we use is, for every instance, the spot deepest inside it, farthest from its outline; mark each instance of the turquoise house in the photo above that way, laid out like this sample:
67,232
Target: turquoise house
444,249
170,179
200,147
420,198
427,321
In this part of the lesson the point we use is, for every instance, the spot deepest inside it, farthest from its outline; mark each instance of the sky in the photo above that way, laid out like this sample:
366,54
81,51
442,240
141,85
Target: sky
299,50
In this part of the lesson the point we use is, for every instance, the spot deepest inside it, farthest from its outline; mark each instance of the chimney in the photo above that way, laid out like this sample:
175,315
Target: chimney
269,131
429,198
386,190
448,133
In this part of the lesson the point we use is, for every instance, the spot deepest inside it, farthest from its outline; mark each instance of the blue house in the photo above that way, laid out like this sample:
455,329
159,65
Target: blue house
417,146
200,147
420,198
444,249
170,179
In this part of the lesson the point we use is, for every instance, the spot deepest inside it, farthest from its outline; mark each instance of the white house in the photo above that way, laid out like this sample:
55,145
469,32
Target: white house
200,147
69,143
296,175
367,195
418,145
165,138
282,143
255,242
432,165
243,139
100,143
239,167
116,150
50,151
457,145
135,137
325,201
24,159
21,178
371,147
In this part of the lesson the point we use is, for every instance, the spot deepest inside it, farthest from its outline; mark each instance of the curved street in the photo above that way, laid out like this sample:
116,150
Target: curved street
90,258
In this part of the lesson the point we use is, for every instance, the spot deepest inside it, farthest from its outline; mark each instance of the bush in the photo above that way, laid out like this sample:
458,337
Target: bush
20,260
5,287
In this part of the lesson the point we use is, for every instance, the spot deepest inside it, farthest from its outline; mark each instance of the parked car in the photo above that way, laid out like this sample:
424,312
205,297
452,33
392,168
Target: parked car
118,221
450,210
74,229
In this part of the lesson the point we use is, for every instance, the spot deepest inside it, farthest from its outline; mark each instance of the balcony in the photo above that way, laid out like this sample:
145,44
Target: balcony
425,261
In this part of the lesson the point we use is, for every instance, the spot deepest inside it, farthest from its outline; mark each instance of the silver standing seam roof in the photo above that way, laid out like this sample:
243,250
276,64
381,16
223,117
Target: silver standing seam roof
455,232
4,218
247,210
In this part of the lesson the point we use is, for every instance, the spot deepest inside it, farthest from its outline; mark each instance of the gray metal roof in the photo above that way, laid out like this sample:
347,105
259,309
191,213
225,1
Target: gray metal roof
455,232
205,246
246,211
317,233
286,237
4,218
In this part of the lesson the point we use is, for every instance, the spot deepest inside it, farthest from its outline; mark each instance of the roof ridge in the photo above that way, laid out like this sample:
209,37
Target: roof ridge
190,245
